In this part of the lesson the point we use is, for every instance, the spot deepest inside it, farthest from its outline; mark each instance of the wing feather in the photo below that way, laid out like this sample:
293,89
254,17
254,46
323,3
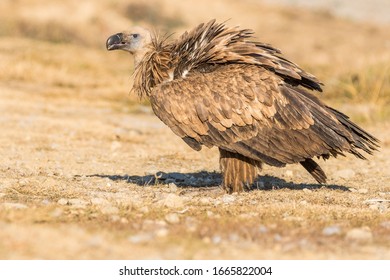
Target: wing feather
249,110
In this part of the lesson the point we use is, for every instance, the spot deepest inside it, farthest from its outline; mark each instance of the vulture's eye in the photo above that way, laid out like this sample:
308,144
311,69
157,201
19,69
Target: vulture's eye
135,36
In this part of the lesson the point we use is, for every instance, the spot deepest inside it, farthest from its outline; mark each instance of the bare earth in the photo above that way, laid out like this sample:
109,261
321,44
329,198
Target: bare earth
87,174
77,180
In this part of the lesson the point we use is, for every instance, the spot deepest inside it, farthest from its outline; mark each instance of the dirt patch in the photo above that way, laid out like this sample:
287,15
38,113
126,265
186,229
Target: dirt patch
87,174
79,181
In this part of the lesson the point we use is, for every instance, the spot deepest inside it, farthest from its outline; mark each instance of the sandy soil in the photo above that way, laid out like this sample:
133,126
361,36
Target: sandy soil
87,174
78,180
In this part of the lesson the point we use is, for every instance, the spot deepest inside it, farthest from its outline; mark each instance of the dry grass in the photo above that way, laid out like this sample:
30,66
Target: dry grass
368,89
70,134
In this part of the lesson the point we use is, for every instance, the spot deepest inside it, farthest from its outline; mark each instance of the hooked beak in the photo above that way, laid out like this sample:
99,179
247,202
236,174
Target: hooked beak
116,42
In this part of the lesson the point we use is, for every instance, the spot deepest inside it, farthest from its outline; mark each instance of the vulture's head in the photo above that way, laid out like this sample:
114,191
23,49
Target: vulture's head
132,41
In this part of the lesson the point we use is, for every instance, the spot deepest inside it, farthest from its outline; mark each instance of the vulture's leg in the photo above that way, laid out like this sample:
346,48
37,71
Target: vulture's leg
238,172
315,170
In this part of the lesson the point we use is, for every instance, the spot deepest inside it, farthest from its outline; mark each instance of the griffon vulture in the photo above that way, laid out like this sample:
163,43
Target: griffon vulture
217,86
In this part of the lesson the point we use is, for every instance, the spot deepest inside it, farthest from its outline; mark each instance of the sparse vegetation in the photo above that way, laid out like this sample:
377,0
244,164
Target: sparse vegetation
77,151
369,88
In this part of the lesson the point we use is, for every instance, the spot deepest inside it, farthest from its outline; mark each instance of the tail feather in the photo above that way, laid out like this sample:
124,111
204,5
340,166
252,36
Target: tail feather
238,172
315,170
361,139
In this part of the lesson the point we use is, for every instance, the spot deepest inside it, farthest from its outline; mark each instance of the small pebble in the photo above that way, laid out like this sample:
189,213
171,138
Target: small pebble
303,202
162,232
384,193
277,237
209,213
144,209
115,218
344,174
152,225
378,204
23,182
262,229
228,198
173,201
46,202
62,201
57,213
216,239
362,191
191,224
11,205
331,230
141,238
77,203
172,187
95,241
361,235
205,201
172,218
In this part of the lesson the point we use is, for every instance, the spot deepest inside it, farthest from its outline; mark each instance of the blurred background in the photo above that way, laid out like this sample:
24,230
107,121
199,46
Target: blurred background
78,152
59,45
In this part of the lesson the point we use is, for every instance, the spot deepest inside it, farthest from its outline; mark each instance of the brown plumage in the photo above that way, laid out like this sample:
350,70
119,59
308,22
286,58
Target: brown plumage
216,86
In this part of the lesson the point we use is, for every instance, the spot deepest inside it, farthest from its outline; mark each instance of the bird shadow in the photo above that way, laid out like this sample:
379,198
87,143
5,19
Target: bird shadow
205,179
196,179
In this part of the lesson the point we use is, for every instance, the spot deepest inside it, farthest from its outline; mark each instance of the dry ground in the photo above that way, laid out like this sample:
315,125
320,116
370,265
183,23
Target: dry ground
77,181
87,174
